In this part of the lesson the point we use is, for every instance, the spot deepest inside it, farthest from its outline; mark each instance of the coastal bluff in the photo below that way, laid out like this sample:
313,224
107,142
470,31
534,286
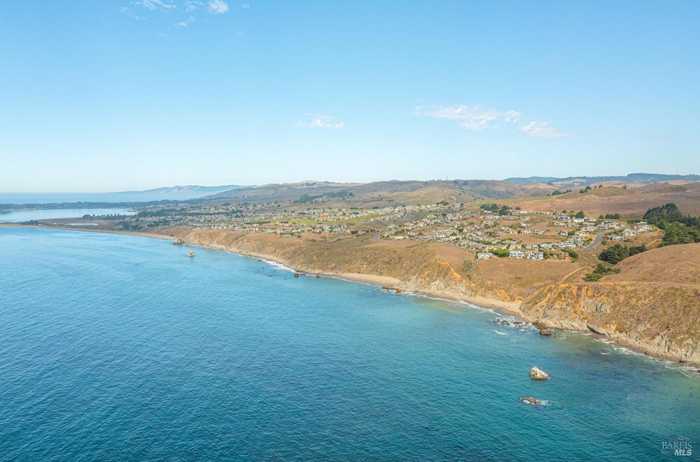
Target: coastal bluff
652,305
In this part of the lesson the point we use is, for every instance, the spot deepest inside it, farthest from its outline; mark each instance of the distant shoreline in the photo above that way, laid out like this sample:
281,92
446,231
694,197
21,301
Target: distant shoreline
500,306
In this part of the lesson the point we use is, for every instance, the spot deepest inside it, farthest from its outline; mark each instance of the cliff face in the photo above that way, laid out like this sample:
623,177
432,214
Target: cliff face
653,304
436,269
660,319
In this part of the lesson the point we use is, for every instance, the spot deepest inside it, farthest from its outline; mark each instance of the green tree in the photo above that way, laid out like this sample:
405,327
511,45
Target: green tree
666,213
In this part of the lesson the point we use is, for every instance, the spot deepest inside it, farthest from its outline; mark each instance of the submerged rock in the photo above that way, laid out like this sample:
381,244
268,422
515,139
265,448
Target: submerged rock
394,290
510,322
538,374
531,400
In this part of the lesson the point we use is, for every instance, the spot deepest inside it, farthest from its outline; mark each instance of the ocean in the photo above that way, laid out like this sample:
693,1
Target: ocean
22,215
122,348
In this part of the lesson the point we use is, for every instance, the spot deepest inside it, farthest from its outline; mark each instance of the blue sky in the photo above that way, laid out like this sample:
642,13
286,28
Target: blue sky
113,95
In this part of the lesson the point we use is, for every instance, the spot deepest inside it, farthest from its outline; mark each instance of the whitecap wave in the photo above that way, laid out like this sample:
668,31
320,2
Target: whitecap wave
277,265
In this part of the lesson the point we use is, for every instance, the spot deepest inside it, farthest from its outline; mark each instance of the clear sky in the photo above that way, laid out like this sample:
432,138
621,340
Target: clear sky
115,95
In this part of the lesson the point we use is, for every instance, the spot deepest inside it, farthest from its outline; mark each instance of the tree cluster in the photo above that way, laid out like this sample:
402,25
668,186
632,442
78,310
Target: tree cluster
498,209
616,253
678,228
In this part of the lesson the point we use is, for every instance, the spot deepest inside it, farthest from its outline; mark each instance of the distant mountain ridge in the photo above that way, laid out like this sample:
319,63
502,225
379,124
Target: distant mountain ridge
415,191
586,180
191,188
173,193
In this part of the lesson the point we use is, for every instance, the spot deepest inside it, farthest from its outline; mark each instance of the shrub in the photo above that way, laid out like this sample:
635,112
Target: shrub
572,253
600,270
500,252
618,252
680,233
495,208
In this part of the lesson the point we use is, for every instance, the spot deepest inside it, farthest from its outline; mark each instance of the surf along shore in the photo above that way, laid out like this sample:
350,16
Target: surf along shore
658,319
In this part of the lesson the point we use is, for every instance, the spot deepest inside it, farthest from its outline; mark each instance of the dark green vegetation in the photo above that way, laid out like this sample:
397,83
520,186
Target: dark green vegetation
600,270
618,252
498,209
678,228
572,253
502,253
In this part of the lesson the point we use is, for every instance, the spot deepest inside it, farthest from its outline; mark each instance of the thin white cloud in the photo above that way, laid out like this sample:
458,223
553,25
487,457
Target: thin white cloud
470,117
186,22
156,4
217,6
322,121
541,129
189,10
193,5
477,118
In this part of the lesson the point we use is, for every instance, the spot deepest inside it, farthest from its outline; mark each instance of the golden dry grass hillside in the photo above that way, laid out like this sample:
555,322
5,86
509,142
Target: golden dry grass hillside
676,264
627,201
653,304
413,265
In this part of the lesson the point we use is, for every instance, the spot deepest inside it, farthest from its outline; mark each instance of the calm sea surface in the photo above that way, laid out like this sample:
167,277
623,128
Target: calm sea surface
122,348
19,216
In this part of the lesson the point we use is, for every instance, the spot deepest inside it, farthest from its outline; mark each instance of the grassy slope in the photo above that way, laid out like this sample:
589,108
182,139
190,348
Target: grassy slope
652,304
633,201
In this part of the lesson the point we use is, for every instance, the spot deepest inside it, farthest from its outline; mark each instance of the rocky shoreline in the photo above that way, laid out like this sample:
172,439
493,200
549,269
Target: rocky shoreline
543,316
567,307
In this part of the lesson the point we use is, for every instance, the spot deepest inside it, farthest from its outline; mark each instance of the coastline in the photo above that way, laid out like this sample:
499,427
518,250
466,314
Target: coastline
402,288
503,307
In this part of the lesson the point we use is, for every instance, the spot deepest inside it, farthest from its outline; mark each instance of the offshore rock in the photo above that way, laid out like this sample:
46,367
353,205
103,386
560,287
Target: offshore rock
538,374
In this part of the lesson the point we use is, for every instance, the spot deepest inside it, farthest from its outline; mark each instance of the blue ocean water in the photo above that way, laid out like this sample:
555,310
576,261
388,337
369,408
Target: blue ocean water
122,348
22,215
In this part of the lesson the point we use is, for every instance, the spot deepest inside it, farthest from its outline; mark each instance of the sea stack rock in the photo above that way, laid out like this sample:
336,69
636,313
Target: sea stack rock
538,374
